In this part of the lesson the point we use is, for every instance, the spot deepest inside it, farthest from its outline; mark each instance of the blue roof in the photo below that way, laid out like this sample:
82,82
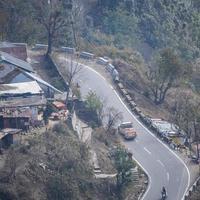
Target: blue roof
5,57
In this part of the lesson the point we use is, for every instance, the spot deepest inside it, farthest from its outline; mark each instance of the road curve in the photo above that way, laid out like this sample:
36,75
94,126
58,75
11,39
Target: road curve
162,165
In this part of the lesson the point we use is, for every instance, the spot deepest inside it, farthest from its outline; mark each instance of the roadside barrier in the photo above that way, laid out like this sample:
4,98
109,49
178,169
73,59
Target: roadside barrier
86,55
20,44
40,47
110,68
68,50
102,61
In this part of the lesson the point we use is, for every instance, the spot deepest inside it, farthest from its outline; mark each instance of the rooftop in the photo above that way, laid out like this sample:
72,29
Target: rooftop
39,80
5,57
20,88
23,102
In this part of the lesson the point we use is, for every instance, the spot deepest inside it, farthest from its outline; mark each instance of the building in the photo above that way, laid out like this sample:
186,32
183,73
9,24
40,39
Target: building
21,113
14,70
9,136
20,104
24,89
23,94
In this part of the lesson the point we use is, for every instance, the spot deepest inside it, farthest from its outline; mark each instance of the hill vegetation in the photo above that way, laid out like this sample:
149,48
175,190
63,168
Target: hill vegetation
55,166
123,23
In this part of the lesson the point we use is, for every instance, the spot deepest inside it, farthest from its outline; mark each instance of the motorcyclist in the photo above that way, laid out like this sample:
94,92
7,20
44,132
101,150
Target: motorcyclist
164,193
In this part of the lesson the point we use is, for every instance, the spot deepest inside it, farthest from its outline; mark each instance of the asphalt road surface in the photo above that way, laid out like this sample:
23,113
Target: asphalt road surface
162,165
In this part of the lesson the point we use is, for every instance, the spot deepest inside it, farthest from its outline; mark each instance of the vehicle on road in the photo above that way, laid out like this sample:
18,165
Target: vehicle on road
127,131
164,194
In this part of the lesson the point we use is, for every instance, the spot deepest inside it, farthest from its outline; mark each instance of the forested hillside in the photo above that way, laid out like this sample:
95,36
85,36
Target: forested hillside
164,23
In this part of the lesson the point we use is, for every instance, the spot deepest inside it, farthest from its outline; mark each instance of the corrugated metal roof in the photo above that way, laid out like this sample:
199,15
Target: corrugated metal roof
20,88
39,80
15,61
23,102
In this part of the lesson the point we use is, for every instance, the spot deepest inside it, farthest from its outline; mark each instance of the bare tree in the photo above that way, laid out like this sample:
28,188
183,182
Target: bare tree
76,91
77,18
11,164
3,20
113,118
73,69
53,15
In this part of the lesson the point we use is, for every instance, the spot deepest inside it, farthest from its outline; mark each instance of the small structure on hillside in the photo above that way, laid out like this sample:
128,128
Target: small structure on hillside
21,112
9,136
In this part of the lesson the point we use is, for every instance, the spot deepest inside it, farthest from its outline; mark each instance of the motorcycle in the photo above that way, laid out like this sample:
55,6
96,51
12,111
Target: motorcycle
164,196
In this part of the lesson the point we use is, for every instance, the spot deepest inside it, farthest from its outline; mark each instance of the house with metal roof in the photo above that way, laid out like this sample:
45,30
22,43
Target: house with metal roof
14,70
20,89
20,104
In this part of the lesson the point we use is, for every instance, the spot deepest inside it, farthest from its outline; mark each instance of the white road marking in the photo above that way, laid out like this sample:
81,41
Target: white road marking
149,152
149,184
161,163
136,140
90,88
168,176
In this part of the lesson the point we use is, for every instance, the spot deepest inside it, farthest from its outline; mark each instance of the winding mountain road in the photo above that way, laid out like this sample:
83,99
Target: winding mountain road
162,165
